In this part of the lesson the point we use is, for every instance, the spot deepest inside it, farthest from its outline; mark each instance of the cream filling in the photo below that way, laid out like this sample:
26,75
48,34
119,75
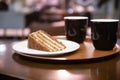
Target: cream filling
45,40
47,43
53,41
41,41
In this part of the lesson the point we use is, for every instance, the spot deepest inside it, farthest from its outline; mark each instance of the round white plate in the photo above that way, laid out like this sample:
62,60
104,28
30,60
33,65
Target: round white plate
22,48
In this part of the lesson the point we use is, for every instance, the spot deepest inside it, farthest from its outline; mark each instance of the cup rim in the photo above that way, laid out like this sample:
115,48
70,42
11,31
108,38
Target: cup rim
75,17
104,20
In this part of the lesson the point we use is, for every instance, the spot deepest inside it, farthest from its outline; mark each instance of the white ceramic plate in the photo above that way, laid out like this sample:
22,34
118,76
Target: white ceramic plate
22,48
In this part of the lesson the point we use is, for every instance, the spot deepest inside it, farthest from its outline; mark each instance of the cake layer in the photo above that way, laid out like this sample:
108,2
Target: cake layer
41,40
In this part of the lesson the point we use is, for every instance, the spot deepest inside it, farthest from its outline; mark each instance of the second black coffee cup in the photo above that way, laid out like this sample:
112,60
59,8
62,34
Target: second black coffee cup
104,33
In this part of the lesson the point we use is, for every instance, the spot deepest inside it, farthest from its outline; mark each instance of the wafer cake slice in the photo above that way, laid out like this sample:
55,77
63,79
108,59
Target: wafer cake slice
41,40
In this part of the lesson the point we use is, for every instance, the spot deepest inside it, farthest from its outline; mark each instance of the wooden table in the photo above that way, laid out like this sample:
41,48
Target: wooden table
14,65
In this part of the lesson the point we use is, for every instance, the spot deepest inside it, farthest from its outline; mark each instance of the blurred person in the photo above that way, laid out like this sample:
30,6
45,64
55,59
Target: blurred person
8,2
38,4
19,6
111,7
86,7
37,7
53,2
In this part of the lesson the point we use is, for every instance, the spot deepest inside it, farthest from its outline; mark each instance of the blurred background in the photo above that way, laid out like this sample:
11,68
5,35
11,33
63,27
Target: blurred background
20,17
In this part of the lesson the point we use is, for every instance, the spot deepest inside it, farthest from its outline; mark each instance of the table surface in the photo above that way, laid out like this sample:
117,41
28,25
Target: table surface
14,65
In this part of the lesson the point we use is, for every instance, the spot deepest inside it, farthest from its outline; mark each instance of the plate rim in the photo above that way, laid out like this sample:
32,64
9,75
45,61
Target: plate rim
45,53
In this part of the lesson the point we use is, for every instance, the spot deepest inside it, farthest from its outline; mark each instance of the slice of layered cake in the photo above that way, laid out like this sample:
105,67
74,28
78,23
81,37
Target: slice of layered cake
41,40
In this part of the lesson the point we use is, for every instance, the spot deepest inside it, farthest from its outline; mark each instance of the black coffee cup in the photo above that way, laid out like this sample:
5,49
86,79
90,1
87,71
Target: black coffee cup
104,33
75,28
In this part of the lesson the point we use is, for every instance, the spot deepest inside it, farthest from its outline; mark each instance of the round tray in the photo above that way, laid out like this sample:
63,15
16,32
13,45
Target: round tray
85,52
